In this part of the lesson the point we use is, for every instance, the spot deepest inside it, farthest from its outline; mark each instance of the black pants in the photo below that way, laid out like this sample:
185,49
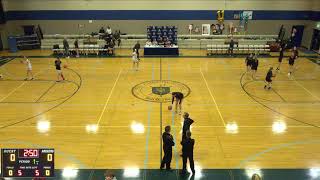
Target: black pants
184,134
230,51
166,160
185,157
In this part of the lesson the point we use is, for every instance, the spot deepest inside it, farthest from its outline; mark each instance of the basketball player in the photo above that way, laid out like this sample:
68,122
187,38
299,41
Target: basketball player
296,52
269,79
57,63
248,61
280,58
135,60
29,68
177,97
254,66
292,58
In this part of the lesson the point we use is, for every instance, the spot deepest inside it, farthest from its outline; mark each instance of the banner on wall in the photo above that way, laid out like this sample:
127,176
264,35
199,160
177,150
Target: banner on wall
206,29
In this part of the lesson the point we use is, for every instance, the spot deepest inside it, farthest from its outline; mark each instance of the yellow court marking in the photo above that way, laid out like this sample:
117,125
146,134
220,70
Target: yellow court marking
106,104
15,89
214,100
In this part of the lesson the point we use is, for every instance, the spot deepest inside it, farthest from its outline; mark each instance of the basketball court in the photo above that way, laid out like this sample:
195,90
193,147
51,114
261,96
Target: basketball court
107,116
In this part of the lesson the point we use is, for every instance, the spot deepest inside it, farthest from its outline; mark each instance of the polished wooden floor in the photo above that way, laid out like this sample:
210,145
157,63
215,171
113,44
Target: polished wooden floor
237,123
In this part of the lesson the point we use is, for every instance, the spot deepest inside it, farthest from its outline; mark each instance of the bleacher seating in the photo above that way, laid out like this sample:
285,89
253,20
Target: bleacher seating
212,43
240,49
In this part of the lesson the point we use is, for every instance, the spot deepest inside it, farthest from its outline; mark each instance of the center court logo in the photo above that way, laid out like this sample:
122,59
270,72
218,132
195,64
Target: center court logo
159,90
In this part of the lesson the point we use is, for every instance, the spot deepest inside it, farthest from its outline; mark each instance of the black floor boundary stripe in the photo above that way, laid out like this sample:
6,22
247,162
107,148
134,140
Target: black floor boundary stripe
29,118
271,109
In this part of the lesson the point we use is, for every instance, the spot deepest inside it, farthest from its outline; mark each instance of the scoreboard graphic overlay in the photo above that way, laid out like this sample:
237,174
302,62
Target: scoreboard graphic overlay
27,162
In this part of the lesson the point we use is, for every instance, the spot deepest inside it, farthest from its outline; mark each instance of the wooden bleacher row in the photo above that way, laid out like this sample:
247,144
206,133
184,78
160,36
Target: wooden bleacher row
240,49
84,50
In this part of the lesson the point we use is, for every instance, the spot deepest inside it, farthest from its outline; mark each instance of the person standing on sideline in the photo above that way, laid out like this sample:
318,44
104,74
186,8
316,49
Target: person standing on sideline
168,142
29,68
137,48
280,58
254,66
187,152
76,47
135,61
57,63
186,124
231,46
66,47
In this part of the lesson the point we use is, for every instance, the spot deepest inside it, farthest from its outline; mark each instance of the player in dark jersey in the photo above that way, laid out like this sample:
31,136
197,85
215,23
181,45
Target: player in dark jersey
178,98
280,58
269,77
254,66
248,61
292,59
57,63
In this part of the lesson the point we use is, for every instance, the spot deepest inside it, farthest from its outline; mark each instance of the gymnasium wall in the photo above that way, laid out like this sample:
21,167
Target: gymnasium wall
132,16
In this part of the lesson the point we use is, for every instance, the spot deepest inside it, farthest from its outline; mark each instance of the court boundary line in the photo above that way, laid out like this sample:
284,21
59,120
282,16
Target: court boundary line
46,92
174,130
108,99
14,90
316,97
272,109
146,159
212,97
29,118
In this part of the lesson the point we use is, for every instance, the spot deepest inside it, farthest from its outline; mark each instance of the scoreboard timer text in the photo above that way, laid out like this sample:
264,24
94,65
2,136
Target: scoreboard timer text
27,162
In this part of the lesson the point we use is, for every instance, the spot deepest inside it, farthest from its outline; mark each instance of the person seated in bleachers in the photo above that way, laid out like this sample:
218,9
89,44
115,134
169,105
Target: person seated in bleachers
148,43
155,42
160,41
117,37
102,31
111,47
167,43
109,30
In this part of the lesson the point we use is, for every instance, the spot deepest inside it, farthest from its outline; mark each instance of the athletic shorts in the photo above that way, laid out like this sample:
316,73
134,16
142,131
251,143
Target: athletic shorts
59,71
254,68
291,63
268,80
280,59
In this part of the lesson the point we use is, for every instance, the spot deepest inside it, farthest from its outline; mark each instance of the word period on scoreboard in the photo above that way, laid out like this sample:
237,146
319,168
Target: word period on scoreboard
27,162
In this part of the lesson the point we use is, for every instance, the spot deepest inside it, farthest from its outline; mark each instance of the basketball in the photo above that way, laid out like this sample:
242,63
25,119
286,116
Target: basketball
169,108
65,66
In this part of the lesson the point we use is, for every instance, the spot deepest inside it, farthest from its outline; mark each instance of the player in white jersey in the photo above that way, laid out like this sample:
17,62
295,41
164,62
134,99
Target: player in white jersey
29,68
135,60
